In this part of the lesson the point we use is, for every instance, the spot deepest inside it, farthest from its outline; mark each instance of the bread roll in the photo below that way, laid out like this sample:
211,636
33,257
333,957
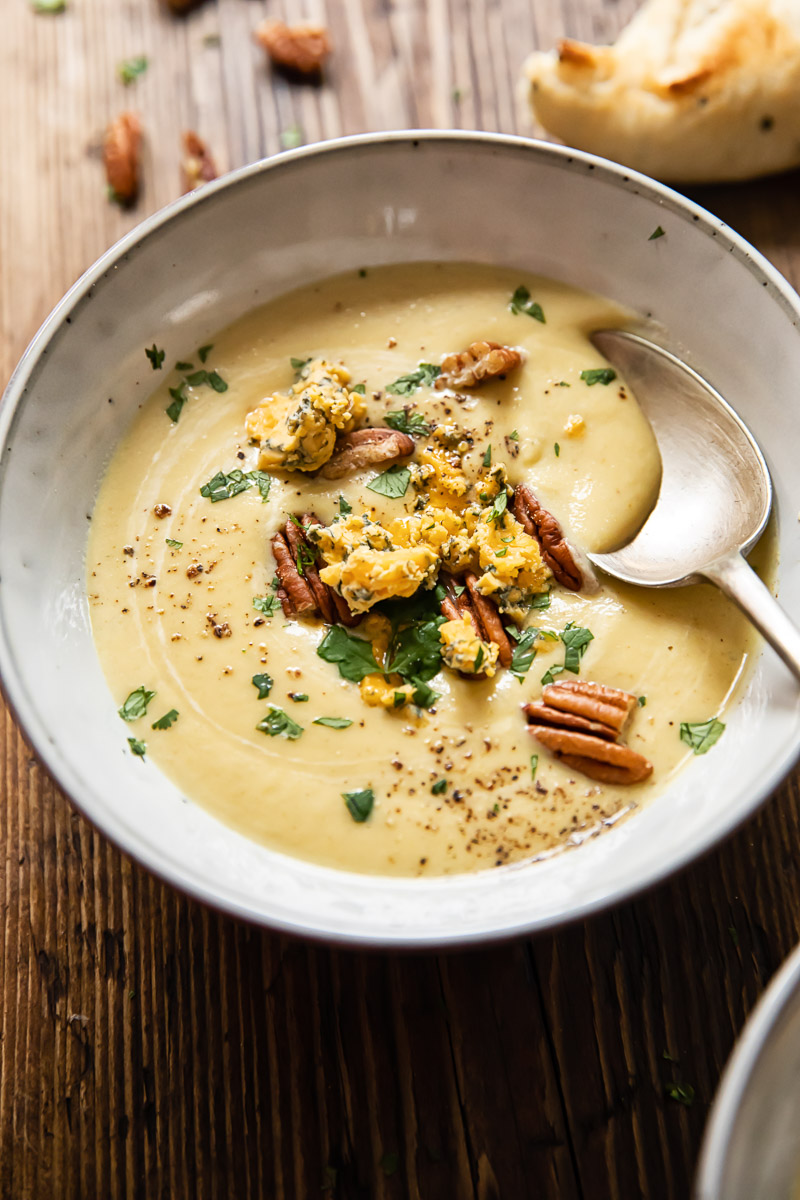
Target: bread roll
694,91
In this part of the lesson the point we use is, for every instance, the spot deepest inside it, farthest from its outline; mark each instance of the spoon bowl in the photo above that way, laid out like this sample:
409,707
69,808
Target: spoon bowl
715,495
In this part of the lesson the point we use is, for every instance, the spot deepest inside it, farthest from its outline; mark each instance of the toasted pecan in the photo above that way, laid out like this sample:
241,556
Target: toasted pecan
301,49
608,762
479,362
302,592
365,448
198,166
485,617
582,704
542,525
121,147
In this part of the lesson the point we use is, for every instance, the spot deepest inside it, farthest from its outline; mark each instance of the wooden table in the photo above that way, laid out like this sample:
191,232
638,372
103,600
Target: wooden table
152,1048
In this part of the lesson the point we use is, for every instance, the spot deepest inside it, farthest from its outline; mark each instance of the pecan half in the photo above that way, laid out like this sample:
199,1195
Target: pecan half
365,448
198,166
580,721
479,362
303,592
121,146
181,6
481,612
583,705
539,523
301,49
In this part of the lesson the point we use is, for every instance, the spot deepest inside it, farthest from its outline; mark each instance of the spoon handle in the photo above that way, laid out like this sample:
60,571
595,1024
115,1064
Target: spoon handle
736,579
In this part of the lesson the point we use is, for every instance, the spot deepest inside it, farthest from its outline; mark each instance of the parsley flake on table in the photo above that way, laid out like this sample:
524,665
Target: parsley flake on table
359,804
424,376
135,705
333,722
138,748
406,422
167,721
604,375
130,69
264,684
521,303
701,735
277,722
392,483
156,357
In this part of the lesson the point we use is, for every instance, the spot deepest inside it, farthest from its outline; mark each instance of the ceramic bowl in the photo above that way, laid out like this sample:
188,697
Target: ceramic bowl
208,258
751,1149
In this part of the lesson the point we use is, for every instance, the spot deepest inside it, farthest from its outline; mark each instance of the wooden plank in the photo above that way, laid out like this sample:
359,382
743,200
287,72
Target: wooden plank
150,1047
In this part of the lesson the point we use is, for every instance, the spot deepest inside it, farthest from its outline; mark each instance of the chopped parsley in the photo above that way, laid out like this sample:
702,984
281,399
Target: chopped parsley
167,720
305,558
576,639
204,352
299,365
353,655
682,1092
642,701
657,233
138,748
550,675
701,735
344,507
48,6
184,366
130,69
173,544
292,137
266,604
359,388
478,660
604,375
178,401
406,422
513,436
277,722
264,684
136,704
156,357
298,697
223,487
424,376
487,456
563,383
556,449
197,378
499,507
524,652
439,787
359,804
333,722
534,765
392,483
541,601
216,382
521,302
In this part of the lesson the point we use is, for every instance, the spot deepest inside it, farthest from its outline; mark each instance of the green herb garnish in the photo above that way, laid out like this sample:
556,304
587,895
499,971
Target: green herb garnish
701,735
344,507
138,748
534,765
392,483
298,697
299,365
521,302
524,652
642,701
352,655
657,233
541,602
439,787
131,68
576,639
604,375
204,352
682,1092
359,804
405,422
556,449
292,137
136,704
487,456
167,720
197,378
333,722
173,544
264,684
178,401
424,376
184,366
550,675
216,382
277,722
223,487
266,604
499,507
156,357
513,436
48,6
359,388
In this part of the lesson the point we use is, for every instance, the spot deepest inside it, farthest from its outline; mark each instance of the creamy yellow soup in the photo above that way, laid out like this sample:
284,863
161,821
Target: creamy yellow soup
172,578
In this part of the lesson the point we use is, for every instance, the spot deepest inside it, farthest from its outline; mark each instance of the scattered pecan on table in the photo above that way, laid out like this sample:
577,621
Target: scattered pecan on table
300,49
121,147
480,610
198,166
302,592
479,362
181,6
539,523
365,448
580,722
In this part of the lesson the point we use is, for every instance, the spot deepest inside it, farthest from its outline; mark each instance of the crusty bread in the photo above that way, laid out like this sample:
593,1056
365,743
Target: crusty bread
693,91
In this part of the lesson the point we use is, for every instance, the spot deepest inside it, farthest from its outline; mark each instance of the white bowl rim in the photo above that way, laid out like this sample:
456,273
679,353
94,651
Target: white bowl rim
738,1073
193,884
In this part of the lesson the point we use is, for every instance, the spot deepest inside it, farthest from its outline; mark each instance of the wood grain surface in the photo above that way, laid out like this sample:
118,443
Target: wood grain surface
152,1048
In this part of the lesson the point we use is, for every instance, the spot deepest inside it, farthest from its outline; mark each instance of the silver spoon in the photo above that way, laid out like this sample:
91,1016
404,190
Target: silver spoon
715,495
